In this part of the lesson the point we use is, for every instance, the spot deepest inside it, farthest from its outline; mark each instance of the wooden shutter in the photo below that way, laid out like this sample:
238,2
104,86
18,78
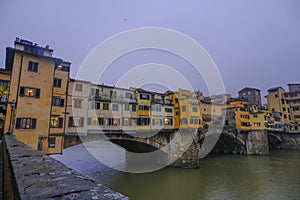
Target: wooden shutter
37,93
62,102
22,91
18,123
60,122
33,123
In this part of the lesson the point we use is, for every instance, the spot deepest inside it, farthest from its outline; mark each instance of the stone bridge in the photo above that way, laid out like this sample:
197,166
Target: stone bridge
283,140
30,174
184,147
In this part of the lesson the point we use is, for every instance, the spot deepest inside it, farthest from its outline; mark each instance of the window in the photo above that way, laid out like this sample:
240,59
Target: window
143,121
297,116
32,66
293,94
95,105
183,108
105,106
128,95
78,87
29,92
168,121
195,109
25,123
143,107
168,110
144,96
194,121
297,108
76,121
94,121
51,142
184,121
177,113
156,108
176,100
284,116
283,109
256,124
126,107
126,121
56,101
115,122
77,103
255,116
133,121
156,122
57,83
62,68
245,124
56,122
133,108
113,95
276,95
115,107
94,91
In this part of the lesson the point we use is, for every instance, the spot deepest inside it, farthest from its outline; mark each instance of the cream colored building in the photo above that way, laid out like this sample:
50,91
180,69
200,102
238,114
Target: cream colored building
77,107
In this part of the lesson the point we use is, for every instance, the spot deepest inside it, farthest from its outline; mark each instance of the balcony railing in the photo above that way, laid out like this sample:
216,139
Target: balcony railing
112,99
157,101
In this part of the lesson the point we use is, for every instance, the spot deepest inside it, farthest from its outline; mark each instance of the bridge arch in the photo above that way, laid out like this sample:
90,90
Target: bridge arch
274,140
228,142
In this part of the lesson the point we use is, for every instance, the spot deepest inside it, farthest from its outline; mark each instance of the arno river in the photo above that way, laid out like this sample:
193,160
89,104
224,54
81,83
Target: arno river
219,177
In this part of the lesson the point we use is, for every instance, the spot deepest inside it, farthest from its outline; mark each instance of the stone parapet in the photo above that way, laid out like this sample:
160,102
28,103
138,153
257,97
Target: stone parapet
29,174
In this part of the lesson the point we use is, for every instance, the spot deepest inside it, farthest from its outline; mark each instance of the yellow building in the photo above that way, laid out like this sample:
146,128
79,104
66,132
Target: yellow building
4,91
173,97
143,109
37,96
287,105
257,118
189,110
237,114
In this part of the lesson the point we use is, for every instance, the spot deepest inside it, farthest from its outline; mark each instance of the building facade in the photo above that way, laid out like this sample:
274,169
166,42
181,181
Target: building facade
286,104
252,95
37,96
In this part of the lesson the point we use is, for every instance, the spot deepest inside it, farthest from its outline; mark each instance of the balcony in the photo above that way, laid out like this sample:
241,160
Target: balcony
128,100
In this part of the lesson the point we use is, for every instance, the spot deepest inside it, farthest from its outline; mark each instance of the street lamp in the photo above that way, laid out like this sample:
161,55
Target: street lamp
12,109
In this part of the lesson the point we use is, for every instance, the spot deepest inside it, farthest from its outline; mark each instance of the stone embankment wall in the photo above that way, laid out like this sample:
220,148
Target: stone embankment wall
29,174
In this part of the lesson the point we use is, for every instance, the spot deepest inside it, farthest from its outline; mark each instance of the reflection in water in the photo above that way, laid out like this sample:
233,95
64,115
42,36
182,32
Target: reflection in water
219,177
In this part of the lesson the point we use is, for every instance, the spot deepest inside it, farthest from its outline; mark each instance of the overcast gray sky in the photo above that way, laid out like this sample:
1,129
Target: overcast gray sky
254,43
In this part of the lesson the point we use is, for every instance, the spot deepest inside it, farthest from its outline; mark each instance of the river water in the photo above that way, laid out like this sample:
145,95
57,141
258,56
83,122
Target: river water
219,177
